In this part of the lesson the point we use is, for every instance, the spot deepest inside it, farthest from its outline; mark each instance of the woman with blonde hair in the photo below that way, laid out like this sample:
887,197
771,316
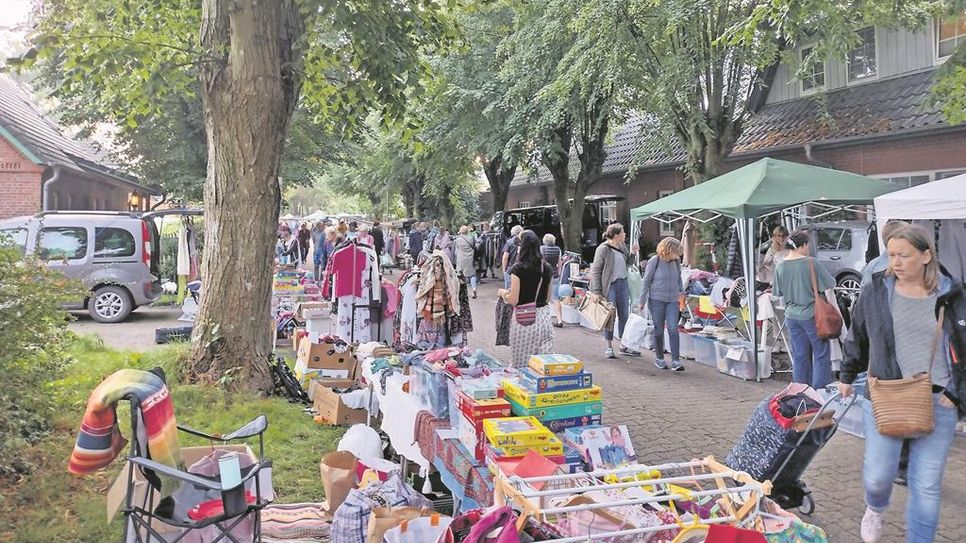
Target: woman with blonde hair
775,254
908,321
662,292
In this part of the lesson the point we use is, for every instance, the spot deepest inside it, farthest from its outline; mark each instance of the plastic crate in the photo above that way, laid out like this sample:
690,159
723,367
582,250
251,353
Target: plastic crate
704,351
687,344
737,358
853,422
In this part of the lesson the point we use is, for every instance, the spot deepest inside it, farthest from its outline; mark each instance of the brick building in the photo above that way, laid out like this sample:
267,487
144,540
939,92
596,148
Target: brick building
41,169
869,114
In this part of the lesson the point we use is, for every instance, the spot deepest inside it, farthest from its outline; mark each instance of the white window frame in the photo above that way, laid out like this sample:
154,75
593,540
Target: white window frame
801,80
524,204
665,229
878,64
937,60
932,174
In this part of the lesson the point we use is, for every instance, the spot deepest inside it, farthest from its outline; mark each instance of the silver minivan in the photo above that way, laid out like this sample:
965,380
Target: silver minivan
115,255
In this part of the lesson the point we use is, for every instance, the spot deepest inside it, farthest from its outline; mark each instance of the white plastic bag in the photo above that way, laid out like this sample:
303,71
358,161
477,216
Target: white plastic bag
636,332
363,442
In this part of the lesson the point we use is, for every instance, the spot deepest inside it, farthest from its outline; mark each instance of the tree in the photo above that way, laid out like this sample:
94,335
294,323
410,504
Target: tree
253,62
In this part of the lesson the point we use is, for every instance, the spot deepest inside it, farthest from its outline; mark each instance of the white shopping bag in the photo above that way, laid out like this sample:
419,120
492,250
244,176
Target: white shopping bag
637,332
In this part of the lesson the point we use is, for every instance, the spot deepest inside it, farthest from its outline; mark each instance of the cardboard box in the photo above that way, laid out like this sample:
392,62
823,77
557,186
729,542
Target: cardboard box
555,383
331,409
324,382
297,335
558,412
526,398
190,456
307,310
553,448
559,425
516,431
482,409
323,360
554,364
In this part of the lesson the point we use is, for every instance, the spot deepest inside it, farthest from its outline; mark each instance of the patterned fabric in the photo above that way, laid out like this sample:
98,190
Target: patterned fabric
504,314
352,517
462,322
759,444
798,532
536,338
100,439
476,480
295,521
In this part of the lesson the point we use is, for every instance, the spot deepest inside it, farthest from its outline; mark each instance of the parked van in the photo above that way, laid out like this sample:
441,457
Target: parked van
115,255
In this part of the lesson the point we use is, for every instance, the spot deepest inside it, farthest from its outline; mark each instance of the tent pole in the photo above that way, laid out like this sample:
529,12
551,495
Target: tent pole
749,250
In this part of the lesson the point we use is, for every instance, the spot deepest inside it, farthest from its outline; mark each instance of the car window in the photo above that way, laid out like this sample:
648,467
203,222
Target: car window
533,217
16,236
845,244
63,243
113,243
827,239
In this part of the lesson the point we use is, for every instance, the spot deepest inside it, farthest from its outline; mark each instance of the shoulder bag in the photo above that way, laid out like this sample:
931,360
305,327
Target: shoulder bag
828,321
526,314
903,407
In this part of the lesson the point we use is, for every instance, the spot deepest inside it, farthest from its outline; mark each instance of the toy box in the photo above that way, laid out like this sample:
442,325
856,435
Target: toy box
527,398
555,383
477,410
516,431
552,448
559,425
557,412
554,364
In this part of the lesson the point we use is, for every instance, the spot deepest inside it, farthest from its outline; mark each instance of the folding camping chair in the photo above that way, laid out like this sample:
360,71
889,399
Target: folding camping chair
143,521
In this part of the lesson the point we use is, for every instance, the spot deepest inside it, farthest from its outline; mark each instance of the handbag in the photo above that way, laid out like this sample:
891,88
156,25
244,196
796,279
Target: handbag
828,321
903,407
526,314
598,311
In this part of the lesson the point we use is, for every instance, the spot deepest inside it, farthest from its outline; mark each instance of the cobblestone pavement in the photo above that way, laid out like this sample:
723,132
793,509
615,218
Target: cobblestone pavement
678,416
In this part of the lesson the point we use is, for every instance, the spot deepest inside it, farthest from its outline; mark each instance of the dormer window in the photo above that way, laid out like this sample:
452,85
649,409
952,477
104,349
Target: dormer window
861,59
950,33
813,73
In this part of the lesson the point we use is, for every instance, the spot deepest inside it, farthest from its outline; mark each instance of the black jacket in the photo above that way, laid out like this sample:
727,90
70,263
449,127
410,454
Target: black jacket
378,240
871,345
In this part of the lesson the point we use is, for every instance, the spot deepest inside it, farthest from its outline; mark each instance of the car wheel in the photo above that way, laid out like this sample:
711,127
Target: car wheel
851,284
110,304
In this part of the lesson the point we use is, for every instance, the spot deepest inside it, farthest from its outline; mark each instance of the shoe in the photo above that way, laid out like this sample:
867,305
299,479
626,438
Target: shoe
629,352
660,364
871,526
474,294
901,480
609,353
558,324
677,366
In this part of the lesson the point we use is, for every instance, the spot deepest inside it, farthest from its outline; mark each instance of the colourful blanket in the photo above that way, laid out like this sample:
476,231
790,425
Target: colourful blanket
100,439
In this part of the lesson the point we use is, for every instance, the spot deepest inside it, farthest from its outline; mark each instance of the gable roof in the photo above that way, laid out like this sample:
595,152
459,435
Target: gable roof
888,107
43,142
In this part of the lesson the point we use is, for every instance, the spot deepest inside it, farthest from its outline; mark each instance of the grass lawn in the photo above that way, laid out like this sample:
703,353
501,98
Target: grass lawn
50,505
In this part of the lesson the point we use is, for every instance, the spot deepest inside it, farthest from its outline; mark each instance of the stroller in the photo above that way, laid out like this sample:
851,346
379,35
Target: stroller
784,434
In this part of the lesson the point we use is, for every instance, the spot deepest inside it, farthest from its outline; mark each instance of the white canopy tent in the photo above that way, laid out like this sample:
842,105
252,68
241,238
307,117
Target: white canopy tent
943,200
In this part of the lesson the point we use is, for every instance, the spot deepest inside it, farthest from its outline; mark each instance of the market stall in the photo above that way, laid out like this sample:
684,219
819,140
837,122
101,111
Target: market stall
941,203
760,189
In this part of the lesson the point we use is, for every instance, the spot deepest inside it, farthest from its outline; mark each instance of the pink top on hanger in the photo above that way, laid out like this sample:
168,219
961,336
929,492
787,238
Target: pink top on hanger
348,265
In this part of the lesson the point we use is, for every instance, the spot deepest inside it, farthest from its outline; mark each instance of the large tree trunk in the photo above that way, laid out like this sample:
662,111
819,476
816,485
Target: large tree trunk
249,95
557,159
499,179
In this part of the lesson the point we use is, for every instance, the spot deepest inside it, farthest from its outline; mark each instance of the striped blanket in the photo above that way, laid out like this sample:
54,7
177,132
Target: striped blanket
100,439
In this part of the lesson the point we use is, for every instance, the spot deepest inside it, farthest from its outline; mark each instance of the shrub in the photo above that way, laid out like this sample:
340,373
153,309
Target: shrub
33,336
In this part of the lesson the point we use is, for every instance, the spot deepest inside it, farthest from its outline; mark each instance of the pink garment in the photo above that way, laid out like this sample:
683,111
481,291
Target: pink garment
365,238
391,298
348,265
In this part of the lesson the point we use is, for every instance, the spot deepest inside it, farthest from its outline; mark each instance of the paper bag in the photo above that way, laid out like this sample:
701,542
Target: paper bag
338,471
383,519
598,311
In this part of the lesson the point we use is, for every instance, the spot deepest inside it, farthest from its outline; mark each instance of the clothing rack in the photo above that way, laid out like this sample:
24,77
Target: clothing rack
740,493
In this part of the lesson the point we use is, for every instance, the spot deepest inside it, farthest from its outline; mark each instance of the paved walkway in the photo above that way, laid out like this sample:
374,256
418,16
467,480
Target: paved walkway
678,416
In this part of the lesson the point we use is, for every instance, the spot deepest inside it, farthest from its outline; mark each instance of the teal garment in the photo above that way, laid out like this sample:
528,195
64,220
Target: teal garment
793,282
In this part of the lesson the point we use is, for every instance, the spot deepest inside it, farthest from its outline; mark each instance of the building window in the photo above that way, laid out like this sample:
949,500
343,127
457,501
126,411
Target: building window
813,73
913,179
608,213
63,243
949,33
113,243
908,180
524,204
950,173
667,229
862,64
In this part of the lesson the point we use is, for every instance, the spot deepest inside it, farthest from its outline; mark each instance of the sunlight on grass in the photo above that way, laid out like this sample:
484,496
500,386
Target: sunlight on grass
52,506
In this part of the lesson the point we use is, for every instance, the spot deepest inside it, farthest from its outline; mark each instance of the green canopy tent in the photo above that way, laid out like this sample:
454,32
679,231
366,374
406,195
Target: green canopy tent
760,189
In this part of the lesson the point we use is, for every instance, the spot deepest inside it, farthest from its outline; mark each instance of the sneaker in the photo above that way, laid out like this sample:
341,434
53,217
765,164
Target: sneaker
609,353
629,352
474,294
660,364
901,480
677,366
871,526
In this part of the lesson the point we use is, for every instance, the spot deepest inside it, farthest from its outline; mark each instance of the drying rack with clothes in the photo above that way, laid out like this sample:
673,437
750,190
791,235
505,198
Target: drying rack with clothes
352,282
434,309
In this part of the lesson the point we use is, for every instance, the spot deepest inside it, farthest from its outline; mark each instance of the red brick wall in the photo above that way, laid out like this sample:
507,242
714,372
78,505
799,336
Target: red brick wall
20,179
